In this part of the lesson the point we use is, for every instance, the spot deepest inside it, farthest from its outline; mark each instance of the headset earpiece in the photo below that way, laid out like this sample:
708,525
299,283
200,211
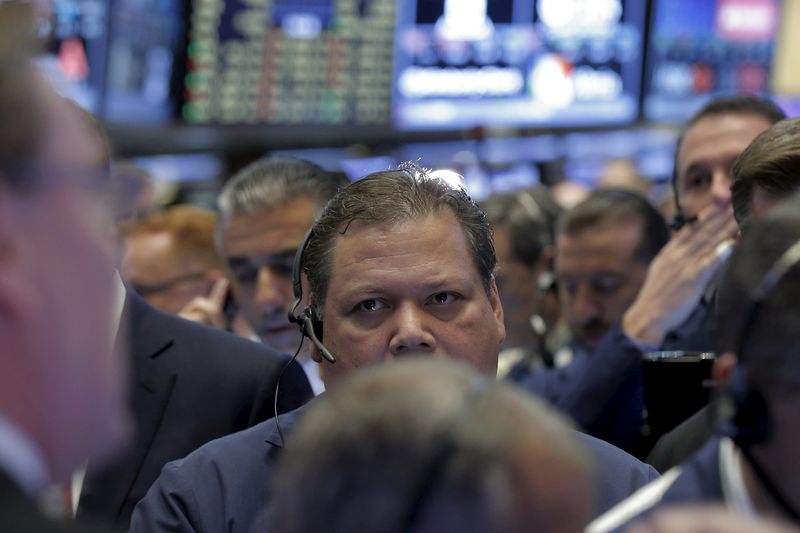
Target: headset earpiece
312,328
308,320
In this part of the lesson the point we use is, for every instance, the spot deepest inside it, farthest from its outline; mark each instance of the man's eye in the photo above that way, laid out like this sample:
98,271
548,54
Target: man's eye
283,269
370,305
246,275
696,181
443,298
607,286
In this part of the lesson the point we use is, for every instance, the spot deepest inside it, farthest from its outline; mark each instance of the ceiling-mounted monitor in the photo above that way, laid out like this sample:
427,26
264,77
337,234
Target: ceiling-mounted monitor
521,63
700,49
289,62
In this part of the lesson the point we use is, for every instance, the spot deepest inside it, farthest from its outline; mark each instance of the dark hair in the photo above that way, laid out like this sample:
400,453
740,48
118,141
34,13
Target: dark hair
768,349
272,181
445,458
611,206
771,162
530,217
391,197
21,113
743,104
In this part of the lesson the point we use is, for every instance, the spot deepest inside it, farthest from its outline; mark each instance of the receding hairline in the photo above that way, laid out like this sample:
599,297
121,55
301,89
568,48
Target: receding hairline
403,219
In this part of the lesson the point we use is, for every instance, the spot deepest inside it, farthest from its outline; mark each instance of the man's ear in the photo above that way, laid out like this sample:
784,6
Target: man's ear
723,367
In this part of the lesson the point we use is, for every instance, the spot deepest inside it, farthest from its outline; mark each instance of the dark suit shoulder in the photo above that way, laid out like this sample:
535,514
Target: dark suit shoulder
221,486
617,473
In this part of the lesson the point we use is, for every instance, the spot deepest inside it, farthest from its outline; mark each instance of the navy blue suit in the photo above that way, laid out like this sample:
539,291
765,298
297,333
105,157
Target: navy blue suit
603,392
224,485
700,480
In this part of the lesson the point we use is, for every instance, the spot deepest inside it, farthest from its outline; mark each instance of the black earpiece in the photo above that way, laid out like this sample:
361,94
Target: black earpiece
308,320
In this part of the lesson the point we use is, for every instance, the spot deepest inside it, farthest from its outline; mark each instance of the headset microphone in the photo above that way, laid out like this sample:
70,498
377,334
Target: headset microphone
308,320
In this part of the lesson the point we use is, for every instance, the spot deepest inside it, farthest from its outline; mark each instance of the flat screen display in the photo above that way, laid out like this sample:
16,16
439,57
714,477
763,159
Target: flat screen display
113,57
289,62
535,63
700,49
75,33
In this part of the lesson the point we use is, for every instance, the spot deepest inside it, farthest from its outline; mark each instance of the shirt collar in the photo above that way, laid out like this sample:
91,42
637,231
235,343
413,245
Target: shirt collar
733,487
21,459
118,304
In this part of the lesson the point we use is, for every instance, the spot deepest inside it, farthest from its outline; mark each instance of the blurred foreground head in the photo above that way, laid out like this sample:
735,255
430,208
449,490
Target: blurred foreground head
459,453
60,384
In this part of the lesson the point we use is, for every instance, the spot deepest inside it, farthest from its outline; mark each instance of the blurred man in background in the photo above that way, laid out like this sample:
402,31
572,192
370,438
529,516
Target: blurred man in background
416,462
265,211
523,223
767,172
713,139
604,247
169,257
752,468
62,390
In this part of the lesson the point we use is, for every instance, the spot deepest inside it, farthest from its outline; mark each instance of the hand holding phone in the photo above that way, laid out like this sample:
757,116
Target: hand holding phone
212,309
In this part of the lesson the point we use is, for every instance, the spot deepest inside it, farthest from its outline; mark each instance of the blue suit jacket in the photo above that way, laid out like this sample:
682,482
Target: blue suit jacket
224,485
700,480
603,392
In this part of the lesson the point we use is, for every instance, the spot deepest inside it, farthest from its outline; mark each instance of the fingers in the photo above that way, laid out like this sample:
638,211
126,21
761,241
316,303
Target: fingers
204,311
219,291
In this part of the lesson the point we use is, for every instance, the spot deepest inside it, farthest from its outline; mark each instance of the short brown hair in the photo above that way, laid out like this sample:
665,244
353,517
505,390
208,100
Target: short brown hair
191,228
392,197
771,162
611,206
449,457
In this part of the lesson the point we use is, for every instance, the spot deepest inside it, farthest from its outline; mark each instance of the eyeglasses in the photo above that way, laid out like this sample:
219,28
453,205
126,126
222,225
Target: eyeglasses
155,288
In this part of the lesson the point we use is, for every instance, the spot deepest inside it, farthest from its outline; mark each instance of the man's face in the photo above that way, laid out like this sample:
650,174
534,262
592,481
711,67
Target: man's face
152,265
598,277
706,155
517,285
259,250
62,269
408,288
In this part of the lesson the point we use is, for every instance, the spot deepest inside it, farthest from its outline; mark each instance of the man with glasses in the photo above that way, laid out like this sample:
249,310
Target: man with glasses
169,258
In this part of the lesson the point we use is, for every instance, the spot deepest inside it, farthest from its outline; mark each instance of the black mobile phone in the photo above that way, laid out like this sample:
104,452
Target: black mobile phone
229,309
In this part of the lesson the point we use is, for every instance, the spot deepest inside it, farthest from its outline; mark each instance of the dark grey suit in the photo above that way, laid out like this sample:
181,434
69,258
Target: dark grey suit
191,384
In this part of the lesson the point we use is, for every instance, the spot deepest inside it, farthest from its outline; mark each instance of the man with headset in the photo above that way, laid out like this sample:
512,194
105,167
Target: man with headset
752,467
399,263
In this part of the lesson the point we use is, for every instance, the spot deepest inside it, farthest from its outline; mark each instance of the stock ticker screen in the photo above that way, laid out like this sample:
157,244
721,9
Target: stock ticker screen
536,63
700,49
114,60
304,62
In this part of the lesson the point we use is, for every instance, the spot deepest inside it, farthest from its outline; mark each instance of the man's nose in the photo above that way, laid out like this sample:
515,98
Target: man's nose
271,291
584,306
411,332
721,185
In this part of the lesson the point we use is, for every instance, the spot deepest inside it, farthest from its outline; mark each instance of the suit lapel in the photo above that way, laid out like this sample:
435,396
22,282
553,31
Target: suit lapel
105,490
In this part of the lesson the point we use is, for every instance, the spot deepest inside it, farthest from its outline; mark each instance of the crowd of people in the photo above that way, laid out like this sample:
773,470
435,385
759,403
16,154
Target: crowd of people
388,355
